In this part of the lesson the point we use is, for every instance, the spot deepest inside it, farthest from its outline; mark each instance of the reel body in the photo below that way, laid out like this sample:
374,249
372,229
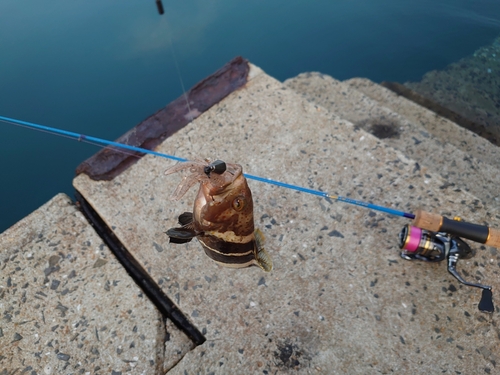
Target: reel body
420,244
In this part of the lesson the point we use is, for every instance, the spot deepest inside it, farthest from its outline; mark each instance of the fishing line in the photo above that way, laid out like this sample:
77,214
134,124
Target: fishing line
176,64
103,142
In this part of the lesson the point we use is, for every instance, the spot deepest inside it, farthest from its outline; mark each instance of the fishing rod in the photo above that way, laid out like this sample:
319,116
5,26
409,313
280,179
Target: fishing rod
103,142
431,238
422,219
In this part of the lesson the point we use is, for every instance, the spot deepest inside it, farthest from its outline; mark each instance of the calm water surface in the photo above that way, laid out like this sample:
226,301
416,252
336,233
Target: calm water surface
100,67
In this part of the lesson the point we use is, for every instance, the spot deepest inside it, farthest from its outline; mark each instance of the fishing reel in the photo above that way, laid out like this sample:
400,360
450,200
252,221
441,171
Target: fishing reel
420,244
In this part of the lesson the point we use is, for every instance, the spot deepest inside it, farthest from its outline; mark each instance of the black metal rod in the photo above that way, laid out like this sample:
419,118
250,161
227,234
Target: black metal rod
166,306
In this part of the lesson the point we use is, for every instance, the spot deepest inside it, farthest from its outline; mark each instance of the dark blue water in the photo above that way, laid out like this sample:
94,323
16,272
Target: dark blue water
100,67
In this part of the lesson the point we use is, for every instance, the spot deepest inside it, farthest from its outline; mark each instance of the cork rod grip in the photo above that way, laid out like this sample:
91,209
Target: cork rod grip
428,220
493,238
474,232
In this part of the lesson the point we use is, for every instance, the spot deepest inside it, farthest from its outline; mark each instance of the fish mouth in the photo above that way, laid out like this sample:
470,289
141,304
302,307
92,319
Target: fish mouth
215,178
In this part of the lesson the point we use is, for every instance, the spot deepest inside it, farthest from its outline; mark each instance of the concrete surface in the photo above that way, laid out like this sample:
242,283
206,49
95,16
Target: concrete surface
459,169
68,307
340,299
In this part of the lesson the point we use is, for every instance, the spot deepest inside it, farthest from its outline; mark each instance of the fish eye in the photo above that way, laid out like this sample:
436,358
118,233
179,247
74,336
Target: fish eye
239,203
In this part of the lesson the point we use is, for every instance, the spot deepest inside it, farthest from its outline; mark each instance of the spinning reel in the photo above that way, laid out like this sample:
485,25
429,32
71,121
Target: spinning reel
428,246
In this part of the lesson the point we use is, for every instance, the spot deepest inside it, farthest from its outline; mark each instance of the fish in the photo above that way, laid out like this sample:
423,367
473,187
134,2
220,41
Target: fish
222,218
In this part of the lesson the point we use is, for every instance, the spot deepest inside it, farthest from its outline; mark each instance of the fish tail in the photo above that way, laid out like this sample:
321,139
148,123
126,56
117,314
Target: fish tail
262,257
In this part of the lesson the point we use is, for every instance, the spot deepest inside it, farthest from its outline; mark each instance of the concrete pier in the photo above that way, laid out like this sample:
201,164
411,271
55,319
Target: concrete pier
339,299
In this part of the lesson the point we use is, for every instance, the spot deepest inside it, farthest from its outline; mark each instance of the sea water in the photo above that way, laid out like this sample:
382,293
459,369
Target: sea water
101,67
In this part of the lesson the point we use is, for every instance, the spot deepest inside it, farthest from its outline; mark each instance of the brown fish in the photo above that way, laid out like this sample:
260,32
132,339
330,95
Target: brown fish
222,218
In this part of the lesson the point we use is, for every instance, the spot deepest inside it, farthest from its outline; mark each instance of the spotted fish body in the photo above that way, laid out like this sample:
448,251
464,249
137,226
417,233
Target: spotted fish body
222,218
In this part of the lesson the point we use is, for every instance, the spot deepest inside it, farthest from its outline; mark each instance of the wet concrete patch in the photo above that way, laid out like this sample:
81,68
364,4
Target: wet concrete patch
384,131
289,356
381,128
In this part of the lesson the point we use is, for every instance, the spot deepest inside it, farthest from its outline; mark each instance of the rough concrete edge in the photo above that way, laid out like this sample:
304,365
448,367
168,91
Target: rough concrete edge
37,217
403,101
482,170
254,72
34,212
443,111
487,197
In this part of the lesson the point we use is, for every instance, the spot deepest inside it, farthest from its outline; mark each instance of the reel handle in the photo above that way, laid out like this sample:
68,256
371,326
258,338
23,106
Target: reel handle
473,232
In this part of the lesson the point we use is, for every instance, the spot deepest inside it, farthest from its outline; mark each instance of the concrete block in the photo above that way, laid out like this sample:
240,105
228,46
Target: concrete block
340,299
67,306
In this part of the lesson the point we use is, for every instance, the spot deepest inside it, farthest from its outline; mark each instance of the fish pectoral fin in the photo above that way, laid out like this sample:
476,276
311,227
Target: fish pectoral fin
185,218
178,240
261,256
180,235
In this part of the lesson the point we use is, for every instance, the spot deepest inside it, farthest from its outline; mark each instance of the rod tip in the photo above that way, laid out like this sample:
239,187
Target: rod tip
159,5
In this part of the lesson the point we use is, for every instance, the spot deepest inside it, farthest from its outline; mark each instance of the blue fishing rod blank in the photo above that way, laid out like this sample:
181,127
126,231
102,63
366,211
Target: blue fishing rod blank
104,142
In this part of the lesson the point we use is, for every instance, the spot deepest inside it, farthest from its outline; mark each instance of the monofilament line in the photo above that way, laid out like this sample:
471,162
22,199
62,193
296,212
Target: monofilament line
177,65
